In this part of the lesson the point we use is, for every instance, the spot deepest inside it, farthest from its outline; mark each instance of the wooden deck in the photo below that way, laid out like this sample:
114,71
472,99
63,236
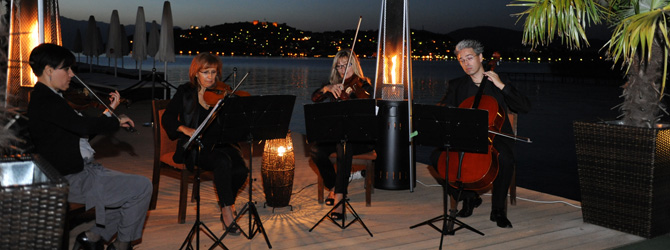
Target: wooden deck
537,225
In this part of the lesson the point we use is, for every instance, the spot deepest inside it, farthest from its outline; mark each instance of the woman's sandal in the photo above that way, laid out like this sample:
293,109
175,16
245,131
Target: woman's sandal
330,201
235,231
336,216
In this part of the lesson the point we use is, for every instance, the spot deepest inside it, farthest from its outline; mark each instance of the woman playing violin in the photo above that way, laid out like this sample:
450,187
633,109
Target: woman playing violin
355,86
187,109
469,54
61,135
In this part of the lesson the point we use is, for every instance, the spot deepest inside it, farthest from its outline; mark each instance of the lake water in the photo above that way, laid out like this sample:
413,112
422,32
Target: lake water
547,165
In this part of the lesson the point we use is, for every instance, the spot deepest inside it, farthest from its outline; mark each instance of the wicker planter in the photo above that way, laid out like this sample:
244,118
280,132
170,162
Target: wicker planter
33,202
624,176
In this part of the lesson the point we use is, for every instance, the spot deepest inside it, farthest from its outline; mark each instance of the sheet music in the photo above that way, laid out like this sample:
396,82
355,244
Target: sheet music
205,122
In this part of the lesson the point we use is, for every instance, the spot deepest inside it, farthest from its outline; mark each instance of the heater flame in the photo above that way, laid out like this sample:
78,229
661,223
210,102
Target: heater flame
394,73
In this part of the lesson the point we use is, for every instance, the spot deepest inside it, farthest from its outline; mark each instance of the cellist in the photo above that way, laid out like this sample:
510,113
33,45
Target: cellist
469,54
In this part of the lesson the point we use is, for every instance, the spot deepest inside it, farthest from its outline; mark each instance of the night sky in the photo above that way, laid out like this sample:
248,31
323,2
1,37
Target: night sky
440,16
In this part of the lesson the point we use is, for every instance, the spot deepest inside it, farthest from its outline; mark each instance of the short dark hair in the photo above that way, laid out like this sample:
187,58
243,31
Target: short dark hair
49,54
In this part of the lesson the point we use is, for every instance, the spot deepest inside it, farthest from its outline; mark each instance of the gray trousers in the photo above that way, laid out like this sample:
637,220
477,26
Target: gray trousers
121,200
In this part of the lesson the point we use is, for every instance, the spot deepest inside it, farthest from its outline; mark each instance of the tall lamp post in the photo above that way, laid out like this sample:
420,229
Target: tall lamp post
393,91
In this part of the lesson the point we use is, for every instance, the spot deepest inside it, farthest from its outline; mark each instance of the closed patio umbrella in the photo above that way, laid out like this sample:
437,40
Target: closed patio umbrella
100,48
114,49
91,41
140,40
152,45
77,46
166,42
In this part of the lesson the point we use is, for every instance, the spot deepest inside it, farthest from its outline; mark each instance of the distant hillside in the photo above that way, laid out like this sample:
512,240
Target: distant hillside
69,29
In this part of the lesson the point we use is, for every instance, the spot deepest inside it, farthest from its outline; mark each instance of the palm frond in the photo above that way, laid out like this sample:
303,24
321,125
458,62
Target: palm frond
546,19
637,32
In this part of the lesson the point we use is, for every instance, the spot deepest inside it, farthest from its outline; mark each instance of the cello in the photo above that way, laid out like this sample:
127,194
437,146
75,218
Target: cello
478,171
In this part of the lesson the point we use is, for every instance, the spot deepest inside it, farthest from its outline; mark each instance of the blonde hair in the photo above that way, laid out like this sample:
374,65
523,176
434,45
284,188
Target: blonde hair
355,66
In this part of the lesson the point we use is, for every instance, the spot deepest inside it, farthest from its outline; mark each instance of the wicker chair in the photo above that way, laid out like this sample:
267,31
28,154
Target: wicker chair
367,160
164,149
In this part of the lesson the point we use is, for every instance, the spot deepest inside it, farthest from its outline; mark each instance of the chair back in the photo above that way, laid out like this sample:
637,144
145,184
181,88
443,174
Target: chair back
164,148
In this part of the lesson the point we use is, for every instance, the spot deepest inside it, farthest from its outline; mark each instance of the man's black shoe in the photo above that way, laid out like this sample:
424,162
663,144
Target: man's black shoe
469,205
498,215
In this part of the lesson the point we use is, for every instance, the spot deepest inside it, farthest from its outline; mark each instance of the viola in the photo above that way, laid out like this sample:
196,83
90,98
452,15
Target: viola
478,171
219,91
353,89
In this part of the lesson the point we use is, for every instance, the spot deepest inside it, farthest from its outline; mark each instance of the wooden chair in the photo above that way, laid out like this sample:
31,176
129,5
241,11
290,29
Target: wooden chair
367,160
164,149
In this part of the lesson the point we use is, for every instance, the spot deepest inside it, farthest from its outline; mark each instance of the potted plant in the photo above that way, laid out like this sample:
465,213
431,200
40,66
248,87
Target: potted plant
624,165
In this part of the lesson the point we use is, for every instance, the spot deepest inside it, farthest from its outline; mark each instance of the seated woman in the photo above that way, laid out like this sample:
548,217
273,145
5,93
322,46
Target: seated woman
183,115
60,135
355,86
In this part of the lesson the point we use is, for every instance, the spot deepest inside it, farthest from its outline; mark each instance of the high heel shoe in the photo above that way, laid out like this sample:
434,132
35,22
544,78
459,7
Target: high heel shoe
235,230
83,242
336,216
330,201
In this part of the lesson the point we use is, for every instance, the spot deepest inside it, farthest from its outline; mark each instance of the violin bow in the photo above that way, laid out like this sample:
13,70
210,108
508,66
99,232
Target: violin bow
130,129
351,54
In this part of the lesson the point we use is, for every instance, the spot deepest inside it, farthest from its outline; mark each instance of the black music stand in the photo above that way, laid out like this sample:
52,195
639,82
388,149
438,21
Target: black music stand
465,130
195,144
342,122
249,119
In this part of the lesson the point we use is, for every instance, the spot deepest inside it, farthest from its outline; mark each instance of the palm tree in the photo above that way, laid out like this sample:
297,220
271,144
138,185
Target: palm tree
639,42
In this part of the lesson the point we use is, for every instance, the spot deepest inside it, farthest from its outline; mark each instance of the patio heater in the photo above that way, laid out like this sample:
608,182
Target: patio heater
32,22
395,168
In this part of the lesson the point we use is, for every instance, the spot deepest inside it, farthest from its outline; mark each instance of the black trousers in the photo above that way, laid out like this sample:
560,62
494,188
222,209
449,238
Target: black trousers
230,171
320,153
500,184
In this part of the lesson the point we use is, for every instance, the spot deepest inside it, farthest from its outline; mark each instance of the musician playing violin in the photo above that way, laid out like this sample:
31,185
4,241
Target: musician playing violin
356,85
187,109
61,136
509,99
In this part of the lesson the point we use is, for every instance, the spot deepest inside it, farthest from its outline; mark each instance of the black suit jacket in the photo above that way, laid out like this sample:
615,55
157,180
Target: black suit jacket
508,98
55,129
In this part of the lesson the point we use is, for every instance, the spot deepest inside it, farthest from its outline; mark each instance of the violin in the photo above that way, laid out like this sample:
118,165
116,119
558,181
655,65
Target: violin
478,171
219,91
353,89
81,99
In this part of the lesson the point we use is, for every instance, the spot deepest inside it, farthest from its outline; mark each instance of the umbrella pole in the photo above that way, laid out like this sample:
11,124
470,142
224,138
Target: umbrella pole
165,71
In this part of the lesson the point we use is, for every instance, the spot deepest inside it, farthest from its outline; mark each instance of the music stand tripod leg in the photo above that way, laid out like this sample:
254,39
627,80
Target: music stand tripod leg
254,218
198,223
345,205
